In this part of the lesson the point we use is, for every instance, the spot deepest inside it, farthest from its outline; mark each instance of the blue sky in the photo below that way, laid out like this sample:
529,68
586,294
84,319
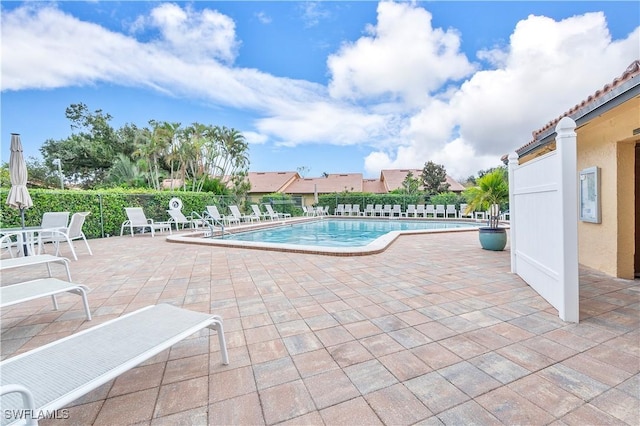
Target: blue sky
330,86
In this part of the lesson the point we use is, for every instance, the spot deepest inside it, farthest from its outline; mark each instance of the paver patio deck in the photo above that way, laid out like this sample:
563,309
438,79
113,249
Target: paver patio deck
432,331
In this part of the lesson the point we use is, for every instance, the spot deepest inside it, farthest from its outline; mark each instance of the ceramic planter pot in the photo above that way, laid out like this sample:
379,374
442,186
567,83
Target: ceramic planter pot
493,238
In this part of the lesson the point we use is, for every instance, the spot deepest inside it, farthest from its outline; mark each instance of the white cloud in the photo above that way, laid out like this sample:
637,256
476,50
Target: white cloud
255,138
313,12
402,57
263,18
548,67
395,91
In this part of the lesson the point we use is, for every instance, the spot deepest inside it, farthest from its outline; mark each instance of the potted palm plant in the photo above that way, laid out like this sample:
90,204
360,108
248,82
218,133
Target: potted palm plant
491,191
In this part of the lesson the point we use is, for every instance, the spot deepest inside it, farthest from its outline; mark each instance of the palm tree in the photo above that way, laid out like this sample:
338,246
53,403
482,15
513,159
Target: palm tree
492,190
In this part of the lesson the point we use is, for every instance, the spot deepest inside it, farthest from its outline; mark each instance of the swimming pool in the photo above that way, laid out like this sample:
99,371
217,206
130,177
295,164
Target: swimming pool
337,232
327,236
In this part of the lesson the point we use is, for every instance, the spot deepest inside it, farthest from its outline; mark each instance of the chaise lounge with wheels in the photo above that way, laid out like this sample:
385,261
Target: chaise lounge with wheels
136,219
50,377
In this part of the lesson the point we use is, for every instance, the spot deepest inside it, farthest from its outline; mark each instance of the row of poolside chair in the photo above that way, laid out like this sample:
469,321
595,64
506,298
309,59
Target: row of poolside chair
420,210
137,220
315,211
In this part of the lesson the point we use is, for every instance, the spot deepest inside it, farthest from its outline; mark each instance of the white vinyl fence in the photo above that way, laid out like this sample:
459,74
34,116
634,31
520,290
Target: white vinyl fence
544,228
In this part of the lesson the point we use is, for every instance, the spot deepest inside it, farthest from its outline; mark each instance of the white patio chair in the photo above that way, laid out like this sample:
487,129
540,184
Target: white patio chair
8,242
440,210
52,376
52,220
257,213
377,210
368,210
420,211
275,215
396,210
178,218
339,210
386,210
430,210
235,211
411,210
212,213
355,210
347,210
70,234
463,212
451,210
136,219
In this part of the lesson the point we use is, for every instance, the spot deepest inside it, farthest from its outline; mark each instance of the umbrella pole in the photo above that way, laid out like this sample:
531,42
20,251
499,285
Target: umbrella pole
24,235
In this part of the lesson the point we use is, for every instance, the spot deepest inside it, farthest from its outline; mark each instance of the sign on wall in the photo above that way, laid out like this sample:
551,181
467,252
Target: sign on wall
590,195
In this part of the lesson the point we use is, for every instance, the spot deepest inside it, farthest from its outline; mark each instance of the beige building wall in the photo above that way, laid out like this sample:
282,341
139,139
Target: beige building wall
607,142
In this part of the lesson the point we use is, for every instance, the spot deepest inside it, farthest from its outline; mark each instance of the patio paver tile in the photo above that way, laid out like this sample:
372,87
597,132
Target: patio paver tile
355,412
396,405
436,392
286,401
241,410
330,388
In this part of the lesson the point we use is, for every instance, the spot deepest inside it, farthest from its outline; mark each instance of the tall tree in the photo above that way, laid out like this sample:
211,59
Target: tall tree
411,184
90,151
434,178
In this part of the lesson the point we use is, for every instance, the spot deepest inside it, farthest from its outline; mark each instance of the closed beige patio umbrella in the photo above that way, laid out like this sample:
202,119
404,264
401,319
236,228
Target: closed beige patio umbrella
18,197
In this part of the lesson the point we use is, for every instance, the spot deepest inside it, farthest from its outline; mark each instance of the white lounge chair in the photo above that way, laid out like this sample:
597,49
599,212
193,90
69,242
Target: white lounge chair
386,210
396,210
440,211
355,210
420,210
339,210
212,213
275,215
450,210
377,210
70,234
138,220
430,210
52,376
35,289
178,219
411,211
257,213
463,212
235,211
347,210
368,210
31,261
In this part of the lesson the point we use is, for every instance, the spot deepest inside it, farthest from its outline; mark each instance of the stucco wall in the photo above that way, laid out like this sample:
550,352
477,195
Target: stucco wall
607,142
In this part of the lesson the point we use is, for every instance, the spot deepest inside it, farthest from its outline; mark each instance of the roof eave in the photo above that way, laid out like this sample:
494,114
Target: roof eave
606,102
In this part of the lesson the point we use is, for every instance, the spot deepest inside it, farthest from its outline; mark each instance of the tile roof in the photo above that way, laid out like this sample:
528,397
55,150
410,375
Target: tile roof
292,183
374,186
267,182
632,71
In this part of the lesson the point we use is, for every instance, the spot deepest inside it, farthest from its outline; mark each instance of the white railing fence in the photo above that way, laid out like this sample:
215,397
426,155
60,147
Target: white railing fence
543,204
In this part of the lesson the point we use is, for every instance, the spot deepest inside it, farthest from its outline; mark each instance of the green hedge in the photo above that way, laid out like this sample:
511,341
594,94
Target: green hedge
107,206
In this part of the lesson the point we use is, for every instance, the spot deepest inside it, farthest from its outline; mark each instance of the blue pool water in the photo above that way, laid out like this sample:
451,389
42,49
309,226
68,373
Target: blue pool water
339,233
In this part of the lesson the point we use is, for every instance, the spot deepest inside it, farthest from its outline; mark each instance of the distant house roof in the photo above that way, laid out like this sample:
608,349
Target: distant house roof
623,88
268,182
292,183
392,179
351,182
375,186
